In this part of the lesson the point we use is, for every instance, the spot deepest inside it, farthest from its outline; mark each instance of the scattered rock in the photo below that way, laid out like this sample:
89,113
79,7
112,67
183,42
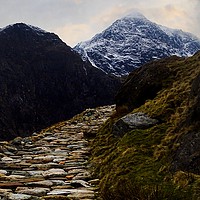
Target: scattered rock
17,141
79,195
35,173
80,183
33,191
3,172
5,191
56,197
7,159
54,173
10,184
70,191
20,197
45,183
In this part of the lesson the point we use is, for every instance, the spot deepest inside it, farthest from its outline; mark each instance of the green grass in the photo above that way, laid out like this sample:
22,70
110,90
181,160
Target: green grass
137,165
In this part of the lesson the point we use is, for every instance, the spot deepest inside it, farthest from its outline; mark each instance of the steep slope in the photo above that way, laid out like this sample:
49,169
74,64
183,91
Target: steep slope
153,151
132,41
43,81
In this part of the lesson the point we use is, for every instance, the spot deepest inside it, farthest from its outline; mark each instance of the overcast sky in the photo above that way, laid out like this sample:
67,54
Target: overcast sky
79,20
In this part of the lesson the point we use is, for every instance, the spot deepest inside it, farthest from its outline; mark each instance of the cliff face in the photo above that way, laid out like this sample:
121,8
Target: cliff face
43,81
153,152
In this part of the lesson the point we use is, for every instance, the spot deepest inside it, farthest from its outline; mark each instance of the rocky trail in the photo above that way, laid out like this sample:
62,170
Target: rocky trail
52,164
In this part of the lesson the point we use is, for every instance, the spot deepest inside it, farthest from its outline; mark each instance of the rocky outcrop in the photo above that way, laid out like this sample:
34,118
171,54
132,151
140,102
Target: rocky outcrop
43,81
52,164
132,121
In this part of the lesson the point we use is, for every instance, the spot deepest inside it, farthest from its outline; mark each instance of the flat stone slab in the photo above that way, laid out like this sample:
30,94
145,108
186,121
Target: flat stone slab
20,197
80,183
7,159
35,173
4,191
10,185
3,172
76,171
56,197
69,191
15,177
81,196
54,172
58,182
45,183
33,191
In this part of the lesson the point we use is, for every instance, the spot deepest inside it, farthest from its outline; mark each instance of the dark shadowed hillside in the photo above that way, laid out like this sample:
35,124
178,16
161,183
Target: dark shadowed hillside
43,81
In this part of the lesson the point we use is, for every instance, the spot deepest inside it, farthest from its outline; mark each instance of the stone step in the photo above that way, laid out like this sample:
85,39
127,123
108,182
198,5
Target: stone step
52,164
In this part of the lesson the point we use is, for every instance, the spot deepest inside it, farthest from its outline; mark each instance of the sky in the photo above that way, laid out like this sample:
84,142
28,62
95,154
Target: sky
79,20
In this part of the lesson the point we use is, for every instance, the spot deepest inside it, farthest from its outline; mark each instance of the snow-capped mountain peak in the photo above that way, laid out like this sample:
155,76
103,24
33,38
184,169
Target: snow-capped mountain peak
135,15
132,41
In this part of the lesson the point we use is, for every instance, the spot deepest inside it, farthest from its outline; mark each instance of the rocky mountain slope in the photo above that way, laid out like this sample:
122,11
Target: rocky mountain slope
43,81
149,149
133,41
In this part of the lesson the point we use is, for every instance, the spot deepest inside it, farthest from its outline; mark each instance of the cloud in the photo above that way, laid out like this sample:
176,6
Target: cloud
166,13
182,14
78,1
196,18
77,20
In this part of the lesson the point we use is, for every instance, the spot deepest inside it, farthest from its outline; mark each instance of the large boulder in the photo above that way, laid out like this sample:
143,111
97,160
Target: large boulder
133,121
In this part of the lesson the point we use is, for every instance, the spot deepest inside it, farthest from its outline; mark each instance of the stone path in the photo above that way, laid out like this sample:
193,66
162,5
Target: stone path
51,164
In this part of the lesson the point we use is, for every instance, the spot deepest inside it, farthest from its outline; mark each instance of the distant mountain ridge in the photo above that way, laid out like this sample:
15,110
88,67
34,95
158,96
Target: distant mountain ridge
133,41
44,81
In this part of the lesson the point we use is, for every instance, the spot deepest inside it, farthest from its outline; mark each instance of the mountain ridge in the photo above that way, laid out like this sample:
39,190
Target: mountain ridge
133,41
44,81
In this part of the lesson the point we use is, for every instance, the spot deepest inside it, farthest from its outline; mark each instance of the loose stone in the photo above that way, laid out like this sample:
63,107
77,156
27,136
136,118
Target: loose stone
45,183
5,191
3,172
80,183
54,173
20,197
33,191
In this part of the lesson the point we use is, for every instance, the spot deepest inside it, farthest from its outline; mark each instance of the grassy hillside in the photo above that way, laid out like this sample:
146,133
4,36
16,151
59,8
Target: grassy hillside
161,162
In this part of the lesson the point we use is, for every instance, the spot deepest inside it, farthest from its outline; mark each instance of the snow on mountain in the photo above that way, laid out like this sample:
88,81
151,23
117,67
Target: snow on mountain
132,41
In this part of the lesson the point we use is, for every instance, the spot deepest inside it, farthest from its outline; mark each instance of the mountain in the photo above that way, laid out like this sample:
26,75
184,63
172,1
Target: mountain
151,143
43,81
133,41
